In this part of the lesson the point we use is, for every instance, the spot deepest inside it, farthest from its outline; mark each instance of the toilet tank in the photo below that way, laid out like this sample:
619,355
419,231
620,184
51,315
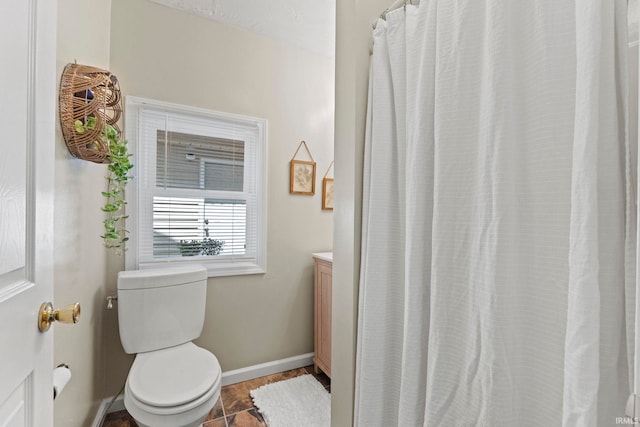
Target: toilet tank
160,308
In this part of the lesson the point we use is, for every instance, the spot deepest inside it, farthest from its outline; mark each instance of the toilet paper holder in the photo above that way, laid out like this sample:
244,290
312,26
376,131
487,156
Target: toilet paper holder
61,376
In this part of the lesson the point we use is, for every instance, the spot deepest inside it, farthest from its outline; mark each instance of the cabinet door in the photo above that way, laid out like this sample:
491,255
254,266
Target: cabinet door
323,316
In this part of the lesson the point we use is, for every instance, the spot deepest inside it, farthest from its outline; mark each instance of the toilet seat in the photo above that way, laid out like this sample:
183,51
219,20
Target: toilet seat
173,376
171,387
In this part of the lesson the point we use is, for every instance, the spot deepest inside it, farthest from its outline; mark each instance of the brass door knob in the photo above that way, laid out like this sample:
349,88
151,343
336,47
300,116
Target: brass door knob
47,315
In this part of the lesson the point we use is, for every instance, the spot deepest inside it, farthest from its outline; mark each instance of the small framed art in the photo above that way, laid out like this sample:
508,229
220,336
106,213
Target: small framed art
327,194
303,177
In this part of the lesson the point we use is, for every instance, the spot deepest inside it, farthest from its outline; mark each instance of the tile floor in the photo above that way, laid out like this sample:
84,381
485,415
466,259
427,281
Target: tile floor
235,407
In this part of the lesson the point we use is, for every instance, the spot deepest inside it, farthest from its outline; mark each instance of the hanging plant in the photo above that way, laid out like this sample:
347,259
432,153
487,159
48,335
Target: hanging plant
115,234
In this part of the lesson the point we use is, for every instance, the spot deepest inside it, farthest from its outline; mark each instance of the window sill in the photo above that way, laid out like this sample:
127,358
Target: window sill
214,269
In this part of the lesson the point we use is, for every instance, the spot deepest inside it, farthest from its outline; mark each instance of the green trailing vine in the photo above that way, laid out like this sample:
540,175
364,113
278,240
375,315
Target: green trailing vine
115,234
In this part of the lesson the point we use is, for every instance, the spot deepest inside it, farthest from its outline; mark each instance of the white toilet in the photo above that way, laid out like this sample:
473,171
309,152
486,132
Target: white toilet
172,382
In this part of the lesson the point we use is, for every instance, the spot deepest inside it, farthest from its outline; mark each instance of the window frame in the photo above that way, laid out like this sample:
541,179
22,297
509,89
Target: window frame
143,173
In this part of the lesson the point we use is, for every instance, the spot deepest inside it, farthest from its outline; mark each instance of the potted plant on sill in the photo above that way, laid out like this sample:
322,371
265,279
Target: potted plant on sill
207,246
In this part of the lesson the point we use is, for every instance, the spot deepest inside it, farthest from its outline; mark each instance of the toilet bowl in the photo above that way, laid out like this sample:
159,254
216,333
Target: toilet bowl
172,387
172,382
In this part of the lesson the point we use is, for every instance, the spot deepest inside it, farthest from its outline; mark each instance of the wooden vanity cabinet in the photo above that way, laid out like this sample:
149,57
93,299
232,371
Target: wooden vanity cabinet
322,313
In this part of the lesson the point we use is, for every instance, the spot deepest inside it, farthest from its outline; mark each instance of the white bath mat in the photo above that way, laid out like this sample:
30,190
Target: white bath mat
299,401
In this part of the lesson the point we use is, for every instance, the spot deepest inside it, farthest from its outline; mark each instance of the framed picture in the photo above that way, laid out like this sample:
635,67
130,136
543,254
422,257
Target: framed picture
303,177
327,194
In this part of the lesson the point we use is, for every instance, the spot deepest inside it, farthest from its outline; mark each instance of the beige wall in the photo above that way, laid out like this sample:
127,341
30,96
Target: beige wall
168,55
172,56
80,259
353,40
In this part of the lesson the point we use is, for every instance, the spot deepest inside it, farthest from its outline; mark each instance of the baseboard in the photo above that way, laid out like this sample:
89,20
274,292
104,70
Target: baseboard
229,377
255,371
104,408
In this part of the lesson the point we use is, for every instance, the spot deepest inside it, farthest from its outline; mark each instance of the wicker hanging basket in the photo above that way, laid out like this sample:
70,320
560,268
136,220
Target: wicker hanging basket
87,91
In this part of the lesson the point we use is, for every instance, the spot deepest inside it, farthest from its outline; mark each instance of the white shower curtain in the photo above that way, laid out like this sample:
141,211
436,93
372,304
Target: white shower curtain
497,276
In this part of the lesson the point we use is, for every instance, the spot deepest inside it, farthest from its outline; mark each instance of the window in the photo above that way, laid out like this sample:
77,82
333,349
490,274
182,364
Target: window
199,189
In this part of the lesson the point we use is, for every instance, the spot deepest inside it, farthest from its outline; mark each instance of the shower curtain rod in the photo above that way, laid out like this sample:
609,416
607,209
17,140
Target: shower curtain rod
395,5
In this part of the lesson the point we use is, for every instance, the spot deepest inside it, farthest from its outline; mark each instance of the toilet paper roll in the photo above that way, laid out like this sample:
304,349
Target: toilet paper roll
61,376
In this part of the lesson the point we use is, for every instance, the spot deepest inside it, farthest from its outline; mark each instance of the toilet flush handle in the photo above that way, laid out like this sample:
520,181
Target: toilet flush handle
110,300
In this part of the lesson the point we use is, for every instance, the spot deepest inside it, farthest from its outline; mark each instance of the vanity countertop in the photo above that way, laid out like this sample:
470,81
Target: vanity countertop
325,256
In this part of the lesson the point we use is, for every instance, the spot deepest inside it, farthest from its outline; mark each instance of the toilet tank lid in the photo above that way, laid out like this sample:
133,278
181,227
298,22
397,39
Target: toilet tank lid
161,277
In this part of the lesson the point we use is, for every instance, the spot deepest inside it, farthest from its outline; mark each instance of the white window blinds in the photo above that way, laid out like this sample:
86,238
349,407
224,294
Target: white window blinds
199,188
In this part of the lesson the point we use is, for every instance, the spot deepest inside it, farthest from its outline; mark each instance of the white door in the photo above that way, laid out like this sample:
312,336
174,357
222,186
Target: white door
27,138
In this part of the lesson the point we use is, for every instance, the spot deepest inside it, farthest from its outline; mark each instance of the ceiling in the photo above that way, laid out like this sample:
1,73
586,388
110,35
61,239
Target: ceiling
309,24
